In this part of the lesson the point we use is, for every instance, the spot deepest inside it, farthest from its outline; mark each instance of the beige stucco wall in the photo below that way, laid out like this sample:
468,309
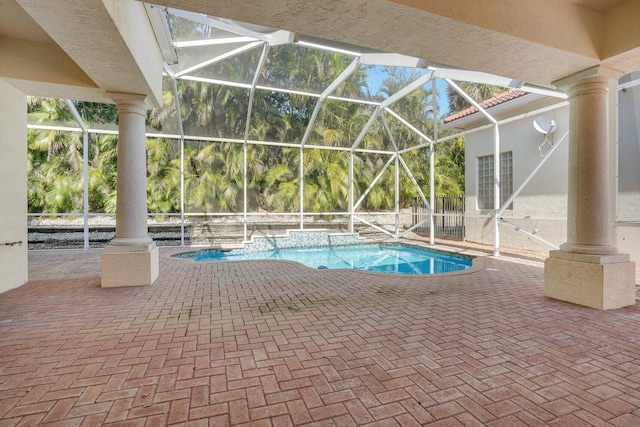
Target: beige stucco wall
13,191
628,197
544,198
628,203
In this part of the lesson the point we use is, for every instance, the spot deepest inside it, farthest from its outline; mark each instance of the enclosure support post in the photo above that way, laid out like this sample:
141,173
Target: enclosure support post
131,259
432,195
351,213
432,161
182,191
397,194
496,190
85,187
301,189
254,82
244,190
176,101
85,171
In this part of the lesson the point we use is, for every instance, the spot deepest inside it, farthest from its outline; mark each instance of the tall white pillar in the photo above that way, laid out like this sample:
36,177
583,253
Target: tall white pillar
131,259
588,270
589,225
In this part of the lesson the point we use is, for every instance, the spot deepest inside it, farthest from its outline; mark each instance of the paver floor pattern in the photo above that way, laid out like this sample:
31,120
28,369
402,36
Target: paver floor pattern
269,343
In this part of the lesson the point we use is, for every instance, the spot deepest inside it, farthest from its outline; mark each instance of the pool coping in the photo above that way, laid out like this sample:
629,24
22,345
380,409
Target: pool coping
477,263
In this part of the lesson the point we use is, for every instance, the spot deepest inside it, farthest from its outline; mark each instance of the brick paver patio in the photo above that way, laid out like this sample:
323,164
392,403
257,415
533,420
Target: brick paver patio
275,343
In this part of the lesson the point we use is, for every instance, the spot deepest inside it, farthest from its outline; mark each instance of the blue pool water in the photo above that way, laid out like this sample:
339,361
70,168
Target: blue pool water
384,258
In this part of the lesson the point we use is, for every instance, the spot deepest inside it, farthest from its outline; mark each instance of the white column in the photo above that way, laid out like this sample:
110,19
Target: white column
588,270
589,225
132,258
131,204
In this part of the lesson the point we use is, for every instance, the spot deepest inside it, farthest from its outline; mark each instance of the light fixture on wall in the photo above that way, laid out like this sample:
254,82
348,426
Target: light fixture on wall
546,126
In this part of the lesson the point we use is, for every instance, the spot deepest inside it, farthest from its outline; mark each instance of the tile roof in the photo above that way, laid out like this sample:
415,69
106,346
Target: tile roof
498,99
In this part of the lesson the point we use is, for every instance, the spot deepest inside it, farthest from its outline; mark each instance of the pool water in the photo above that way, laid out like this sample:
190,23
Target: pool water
384,258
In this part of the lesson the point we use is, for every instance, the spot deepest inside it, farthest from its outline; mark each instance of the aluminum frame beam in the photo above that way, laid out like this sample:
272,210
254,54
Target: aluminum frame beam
277,37
413,227
372,225
432,164
373,182
446,73
392,60
529,235
85,171
497,170
390,101
213,42
245,167
174,88
219,58
469,99
531,174
415,183
409,125
396,186
385,123
325,94
404,164
255,39
483,127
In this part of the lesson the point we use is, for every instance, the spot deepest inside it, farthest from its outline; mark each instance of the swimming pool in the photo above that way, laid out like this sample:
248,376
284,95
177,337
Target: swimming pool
383,258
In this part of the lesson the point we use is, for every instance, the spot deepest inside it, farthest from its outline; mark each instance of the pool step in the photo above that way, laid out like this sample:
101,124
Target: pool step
307,238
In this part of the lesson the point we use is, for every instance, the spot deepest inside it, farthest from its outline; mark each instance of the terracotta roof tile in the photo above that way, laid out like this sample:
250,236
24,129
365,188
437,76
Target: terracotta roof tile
498,99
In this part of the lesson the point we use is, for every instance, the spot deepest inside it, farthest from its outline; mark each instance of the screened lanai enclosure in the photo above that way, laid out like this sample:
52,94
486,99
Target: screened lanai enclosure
261,130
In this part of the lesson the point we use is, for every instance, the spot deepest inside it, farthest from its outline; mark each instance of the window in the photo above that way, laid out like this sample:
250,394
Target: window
485,180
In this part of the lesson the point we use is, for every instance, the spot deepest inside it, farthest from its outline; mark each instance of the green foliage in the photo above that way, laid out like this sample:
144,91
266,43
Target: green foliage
214,170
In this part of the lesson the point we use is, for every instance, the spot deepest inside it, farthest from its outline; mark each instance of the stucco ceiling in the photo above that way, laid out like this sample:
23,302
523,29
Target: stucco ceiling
538,41
16,23
85,48
599,5
79,49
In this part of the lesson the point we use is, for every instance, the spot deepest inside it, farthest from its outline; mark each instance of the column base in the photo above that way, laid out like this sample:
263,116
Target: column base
603,282
130,265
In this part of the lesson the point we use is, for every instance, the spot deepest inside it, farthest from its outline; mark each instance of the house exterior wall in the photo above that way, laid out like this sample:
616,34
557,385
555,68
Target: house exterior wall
627,228
544,199
13,191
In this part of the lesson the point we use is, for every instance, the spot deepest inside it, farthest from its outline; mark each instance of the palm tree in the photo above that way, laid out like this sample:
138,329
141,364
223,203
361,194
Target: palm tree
381,196
103,159
163,176
279,186
326,185
55,159
214,170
